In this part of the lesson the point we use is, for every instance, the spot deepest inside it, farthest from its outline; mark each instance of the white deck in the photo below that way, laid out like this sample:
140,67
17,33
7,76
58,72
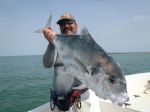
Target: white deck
138,86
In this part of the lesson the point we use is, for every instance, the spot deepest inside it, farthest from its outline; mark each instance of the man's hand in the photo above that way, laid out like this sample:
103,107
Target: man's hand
49,34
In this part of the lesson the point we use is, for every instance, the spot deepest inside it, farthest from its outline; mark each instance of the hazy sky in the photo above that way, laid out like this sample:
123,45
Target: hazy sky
117,25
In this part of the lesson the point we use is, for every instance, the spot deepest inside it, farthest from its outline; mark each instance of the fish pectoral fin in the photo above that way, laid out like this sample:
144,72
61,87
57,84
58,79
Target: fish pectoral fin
82,66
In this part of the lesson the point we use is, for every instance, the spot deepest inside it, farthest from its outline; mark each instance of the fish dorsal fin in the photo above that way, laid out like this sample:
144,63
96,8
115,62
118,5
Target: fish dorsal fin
86,35
84,31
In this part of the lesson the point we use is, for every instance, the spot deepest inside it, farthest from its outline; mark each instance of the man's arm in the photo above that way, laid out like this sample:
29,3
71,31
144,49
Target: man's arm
50,55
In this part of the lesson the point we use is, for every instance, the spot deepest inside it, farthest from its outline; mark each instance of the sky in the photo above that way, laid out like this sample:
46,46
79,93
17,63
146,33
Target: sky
116,25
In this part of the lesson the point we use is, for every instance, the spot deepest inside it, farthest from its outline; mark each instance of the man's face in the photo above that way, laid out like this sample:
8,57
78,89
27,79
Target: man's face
68,27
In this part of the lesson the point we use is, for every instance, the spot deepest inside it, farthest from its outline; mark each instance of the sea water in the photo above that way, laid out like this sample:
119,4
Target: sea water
25,83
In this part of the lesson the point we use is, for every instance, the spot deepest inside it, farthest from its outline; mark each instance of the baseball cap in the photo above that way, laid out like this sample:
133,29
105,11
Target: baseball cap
66,16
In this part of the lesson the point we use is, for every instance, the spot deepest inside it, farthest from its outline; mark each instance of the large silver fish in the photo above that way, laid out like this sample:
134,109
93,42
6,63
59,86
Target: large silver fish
88,62
84,59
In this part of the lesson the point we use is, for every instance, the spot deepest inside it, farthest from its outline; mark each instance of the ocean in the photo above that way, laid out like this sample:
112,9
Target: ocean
25,83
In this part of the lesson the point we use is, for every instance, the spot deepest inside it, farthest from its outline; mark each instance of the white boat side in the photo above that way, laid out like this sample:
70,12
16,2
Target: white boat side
138,87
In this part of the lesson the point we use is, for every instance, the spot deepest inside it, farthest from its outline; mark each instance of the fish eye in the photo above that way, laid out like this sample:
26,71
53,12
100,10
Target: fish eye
112,80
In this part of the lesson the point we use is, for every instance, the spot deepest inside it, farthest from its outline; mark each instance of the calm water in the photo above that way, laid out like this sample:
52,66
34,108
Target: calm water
25,83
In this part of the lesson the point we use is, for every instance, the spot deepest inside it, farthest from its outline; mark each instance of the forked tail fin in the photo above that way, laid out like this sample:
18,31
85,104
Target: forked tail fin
48,24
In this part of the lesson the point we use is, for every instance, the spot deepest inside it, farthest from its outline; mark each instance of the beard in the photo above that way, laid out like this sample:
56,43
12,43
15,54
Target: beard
68,31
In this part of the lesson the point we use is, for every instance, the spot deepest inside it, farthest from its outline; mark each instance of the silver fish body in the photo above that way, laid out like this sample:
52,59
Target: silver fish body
87,61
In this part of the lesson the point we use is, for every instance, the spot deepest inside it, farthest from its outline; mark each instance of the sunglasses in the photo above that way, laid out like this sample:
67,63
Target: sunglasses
66,23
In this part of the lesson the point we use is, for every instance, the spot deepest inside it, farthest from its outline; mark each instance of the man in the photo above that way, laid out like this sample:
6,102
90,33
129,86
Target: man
63,84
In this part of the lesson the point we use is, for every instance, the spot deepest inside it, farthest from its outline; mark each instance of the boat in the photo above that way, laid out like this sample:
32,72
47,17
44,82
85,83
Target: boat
138,87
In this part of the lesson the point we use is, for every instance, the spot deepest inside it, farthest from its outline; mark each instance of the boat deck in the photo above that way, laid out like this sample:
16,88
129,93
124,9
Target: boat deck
138,87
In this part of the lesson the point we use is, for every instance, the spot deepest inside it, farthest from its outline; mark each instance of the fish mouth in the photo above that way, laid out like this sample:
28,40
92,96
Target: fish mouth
123,102
120,100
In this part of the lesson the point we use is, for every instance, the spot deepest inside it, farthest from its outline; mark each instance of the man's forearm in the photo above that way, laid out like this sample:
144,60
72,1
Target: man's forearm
49,56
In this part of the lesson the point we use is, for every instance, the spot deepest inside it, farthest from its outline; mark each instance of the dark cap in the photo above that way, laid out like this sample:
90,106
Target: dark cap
66,16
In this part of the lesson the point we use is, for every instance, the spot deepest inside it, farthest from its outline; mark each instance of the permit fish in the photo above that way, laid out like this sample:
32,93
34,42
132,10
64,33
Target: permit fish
86,60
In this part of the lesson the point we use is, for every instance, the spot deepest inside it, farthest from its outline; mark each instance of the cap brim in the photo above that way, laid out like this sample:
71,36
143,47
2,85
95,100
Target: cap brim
60,21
